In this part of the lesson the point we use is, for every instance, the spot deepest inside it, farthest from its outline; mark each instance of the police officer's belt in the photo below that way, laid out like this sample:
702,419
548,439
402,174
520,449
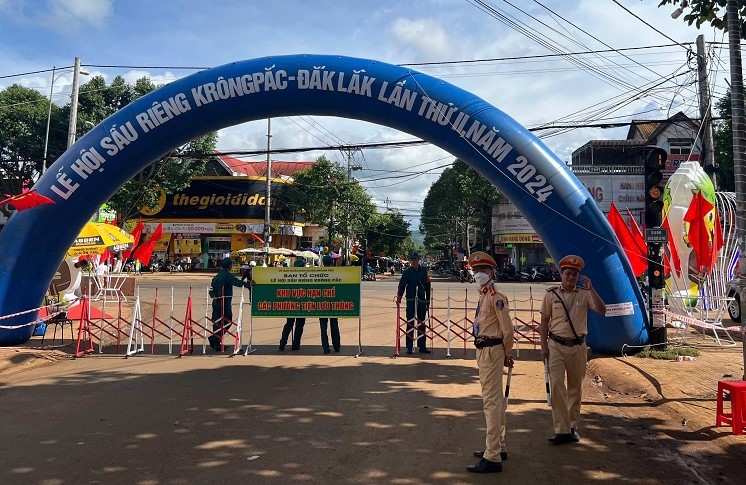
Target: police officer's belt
482,342
569,342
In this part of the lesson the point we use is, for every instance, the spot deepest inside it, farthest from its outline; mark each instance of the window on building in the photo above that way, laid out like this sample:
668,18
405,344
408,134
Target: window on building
306,242
218,245
680,146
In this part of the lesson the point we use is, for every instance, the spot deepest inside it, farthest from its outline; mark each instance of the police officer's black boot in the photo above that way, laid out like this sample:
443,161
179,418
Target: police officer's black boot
485,466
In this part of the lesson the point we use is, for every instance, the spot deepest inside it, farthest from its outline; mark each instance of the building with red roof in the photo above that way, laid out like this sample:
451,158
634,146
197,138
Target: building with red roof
223,211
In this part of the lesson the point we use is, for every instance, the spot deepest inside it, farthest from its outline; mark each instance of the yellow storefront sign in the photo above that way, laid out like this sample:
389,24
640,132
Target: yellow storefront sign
529,238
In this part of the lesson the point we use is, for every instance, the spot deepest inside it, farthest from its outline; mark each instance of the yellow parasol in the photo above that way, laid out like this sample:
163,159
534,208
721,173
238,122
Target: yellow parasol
96,237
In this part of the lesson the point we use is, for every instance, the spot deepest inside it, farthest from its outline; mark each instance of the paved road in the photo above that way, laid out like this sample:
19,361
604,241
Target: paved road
279,417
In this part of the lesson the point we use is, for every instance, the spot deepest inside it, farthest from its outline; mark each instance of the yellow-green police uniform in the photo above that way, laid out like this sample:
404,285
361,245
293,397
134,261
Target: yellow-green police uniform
565,358
494,320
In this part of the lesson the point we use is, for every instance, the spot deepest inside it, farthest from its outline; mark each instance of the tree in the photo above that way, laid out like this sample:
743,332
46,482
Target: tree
23,118
723,138
23,122
712,11
459,200
324,196
169,174
388,234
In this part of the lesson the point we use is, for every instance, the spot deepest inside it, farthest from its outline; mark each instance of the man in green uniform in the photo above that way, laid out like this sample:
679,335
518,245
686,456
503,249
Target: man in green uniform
221,291
493,338
564,325
416,283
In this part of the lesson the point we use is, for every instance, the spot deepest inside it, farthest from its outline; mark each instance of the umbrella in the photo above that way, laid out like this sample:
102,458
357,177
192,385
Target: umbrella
281,251
250,250
96,237
307,255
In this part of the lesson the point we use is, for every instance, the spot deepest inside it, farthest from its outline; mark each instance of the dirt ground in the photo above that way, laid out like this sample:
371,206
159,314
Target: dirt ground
274,417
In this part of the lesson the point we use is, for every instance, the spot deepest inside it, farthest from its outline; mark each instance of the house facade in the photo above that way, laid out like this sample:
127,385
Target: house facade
612,171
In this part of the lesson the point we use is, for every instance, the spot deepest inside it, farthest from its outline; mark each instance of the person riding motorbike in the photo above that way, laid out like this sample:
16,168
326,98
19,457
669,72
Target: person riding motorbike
369,274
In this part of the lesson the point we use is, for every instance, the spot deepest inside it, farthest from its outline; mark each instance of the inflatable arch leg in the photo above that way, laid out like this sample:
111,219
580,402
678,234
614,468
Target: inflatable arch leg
555,203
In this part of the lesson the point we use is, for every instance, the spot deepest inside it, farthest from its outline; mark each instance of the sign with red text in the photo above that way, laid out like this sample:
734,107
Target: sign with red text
306,292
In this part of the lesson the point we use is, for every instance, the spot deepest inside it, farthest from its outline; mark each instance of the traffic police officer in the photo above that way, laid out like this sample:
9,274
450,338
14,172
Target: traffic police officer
564,326
221,291
493,338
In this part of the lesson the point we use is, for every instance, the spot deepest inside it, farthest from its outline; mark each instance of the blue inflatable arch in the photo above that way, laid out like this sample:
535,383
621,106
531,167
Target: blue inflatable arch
556,204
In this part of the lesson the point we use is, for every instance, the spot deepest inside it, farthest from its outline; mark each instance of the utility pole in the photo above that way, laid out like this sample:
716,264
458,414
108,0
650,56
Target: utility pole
267,198
736,104
349,236
705,111
49,119
72,127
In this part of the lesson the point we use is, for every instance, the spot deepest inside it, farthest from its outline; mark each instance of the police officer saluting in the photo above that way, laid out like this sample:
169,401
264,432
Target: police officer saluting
493,338
564,325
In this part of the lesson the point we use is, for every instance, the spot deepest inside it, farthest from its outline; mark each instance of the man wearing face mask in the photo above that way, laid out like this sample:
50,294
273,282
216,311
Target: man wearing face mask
493,338
564,325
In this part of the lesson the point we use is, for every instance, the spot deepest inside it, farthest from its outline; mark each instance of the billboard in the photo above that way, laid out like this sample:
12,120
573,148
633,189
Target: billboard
306,292
627,191
218,198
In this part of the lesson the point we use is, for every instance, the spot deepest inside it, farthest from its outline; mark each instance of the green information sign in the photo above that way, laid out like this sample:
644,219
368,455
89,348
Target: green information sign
306,292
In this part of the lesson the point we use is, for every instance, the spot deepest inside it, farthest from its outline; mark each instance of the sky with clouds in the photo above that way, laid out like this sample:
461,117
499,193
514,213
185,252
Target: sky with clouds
159,39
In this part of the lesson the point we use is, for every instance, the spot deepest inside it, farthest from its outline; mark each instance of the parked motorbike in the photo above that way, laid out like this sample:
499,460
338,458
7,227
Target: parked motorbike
506,276
466,275
538,275
369,277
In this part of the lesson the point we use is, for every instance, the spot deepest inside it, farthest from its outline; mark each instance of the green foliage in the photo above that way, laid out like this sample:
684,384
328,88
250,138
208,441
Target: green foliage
699,12
23,124
722,132
389,234
669,354
323,196
460,198
171,173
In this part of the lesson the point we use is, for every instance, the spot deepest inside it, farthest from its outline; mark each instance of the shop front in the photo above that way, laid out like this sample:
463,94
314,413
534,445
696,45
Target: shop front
216,216
514,239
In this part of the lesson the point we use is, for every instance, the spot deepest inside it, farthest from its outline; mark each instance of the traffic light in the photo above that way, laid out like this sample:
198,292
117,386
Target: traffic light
655,163
656,277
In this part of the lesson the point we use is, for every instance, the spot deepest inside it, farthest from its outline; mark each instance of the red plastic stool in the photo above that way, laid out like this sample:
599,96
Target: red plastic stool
737,413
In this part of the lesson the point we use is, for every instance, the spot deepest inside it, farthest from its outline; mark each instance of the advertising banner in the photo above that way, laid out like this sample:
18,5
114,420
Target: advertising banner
306,292
219,198
518,239
627,191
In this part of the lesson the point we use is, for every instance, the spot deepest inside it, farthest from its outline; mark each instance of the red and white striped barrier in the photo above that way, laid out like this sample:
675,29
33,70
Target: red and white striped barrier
451,319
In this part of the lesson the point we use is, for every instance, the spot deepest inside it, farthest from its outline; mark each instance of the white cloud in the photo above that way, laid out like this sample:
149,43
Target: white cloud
66,14
530,91
424,39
